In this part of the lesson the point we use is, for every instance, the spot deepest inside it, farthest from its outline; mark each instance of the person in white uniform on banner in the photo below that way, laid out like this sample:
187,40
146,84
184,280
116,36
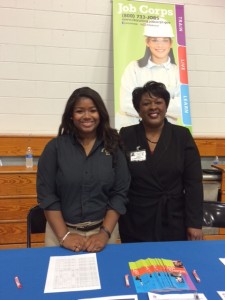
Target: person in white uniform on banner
157,64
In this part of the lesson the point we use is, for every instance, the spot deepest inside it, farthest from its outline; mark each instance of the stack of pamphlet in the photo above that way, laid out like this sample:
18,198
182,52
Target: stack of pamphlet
160,275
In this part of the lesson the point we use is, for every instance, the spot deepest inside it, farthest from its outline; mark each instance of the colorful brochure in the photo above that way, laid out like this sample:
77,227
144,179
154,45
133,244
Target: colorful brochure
160,275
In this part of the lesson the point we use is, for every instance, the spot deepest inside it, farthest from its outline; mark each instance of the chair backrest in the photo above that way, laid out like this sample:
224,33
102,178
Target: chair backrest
36,222
214,214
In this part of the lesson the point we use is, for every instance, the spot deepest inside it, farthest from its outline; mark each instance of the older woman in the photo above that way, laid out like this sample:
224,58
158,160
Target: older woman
166,193
83,178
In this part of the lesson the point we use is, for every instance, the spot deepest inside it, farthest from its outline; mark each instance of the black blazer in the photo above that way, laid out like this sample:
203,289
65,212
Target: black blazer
166,192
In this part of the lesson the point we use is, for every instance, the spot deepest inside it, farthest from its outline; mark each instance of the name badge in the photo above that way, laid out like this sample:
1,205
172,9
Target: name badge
139,155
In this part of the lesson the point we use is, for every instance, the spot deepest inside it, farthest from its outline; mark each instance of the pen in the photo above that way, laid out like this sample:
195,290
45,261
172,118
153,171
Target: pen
17,281
196,276
127,280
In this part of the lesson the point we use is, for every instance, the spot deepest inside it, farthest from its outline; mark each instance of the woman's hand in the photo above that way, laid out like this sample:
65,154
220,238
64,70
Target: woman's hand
96,242
75,242
93,243
194,234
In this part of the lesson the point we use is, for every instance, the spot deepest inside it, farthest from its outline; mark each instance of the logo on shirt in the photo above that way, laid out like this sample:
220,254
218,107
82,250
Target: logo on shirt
105,151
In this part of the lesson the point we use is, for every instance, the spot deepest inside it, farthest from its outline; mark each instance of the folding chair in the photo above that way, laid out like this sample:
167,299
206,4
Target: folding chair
214,214
36,222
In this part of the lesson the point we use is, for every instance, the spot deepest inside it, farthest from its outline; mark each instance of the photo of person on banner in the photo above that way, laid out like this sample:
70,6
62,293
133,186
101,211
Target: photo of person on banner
158,64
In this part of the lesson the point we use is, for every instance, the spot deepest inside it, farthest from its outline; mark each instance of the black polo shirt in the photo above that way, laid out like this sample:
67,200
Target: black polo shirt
82,187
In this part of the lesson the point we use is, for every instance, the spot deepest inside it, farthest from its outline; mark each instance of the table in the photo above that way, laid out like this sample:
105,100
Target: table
17,196
31,266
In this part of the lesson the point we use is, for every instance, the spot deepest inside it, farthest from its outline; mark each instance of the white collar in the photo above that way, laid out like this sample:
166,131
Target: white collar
166,65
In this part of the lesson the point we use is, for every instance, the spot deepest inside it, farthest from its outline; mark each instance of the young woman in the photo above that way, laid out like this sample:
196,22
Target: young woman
157,64
82,177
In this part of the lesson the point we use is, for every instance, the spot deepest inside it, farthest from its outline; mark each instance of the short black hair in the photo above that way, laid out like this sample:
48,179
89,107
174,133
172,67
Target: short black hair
152,88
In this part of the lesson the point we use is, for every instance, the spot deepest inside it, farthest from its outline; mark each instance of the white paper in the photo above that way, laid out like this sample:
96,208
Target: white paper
72,273
122,297
189,296
222,294
222,260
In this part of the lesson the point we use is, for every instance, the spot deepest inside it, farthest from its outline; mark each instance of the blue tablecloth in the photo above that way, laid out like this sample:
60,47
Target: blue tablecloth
31,266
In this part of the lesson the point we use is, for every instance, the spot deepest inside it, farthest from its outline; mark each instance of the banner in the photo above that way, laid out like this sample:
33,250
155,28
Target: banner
149,44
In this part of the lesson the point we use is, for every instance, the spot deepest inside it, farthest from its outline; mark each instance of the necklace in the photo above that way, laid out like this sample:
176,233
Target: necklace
151,141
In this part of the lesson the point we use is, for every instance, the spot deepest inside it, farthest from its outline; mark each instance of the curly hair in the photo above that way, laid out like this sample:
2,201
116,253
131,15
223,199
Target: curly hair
152,88
109,135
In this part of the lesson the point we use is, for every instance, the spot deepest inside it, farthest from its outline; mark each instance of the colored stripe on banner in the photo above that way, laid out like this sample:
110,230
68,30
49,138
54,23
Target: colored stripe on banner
185,104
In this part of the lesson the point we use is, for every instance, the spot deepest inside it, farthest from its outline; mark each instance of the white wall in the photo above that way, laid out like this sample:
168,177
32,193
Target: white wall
48,48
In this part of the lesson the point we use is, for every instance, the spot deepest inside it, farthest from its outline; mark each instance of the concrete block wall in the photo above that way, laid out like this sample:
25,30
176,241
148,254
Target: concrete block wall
48,48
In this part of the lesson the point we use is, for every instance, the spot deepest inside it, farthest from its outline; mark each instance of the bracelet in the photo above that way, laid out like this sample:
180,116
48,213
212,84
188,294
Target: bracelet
106,231
63,239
